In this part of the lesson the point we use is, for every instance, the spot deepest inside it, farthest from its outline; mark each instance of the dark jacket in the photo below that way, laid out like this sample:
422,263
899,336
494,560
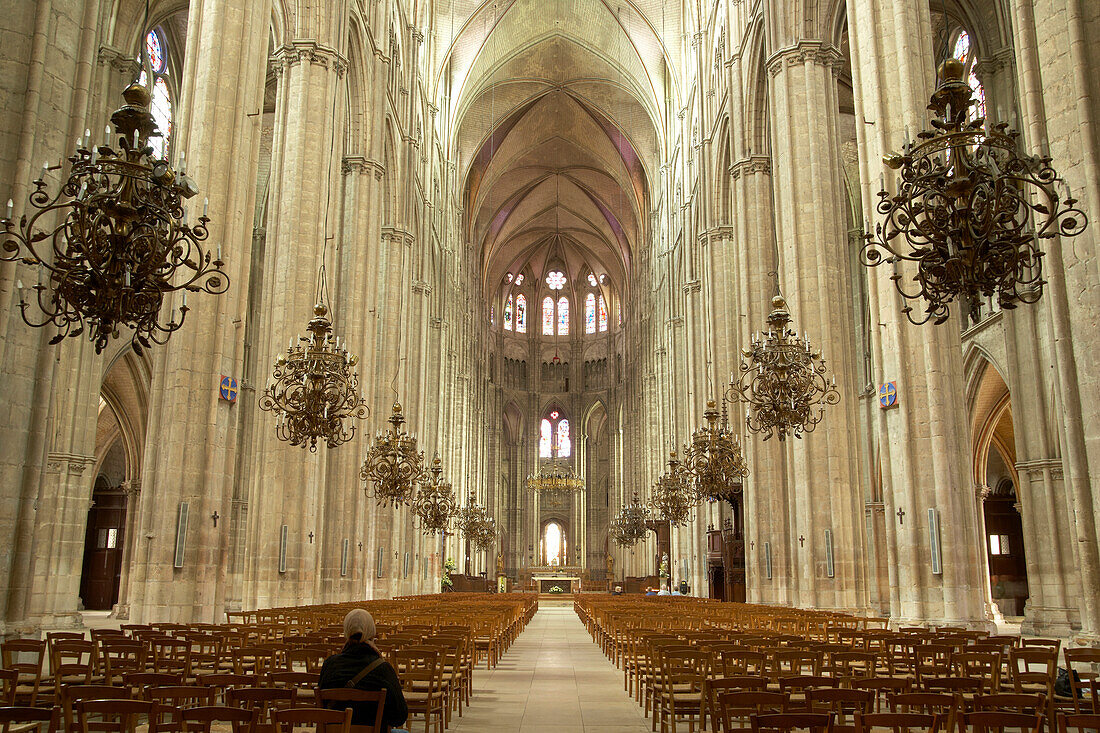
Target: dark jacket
340,668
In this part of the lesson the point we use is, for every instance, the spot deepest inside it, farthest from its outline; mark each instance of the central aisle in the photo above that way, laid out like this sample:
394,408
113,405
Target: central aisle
553,678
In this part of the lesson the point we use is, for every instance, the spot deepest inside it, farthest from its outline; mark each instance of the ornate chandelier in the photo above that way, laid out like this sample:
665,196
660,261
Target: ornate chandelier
674,495
629,525
783,380
714,459
122,240
434,504
393,462
475,522
969,211
314,388
555,480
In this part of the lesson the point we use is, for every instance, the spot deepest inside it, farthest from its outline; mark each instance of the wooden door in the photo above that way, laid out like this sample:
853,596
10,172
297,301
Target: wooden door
103,550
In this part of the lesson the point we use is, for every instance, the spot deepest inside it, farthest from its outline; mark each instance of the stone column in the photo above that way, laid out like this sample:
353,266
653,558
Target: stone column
193,458
925,442
825,485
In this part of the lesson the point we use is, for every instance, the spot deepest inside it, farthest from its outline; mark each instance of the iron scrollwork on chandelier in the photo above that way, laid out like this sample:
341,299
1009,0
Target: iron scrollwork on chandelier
315,389
782,380
714,460
393,462
477,524
969,211
629,525
674,496
555,480
122,241
435,503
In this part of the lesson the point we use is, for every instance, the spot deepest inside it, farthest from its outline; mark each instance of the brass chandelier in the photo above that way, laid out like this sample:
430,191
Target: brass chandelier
674,494
713,459
555,480
122,240
435,503
629,525
315,388
477,524
782,380
969,211
393,463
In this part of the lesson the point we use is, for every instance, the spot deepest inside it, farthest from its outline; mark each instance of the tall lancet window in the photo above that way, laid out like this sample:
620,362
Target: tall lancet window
563,316
565,447
602,315
547,316
590,313
521,313
161,105
508,314
964,52
546,438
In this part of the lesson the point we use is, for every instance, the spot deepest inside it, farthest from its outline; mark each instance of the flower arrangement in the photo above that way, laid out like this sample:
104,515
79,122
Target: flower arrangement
448,568
556,589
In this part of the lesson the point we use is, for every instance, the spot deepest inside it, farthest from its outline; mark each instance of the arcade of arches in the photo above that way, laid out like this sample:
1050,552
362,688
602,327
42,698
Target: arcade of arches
553,225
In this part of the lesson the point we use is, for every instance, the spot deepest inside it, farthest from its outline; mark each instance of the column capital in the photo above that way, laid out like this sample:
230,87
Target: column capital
750,165
362,166
803,52
72,463
299,51
119,60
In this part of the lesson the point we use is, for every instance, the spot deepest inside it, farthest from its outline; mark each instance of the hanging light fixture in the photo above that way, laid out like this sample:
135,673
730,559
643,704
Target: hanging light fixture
315,388
713,458
629,525
393,463
783,380
555,480
674,494
121,242
435,503
969,211
477,524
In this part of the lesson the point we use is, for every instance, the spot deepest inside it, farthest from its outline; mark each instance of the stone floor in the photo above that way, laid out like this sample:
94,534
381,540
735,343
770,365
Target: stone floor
553,678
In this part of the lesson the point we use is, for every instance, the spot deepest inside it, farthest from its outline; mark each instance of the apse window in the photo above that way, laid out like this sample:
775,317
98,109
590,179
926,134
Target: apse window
555,280
521,312
592,279
554,437
998,544
161,105
553,543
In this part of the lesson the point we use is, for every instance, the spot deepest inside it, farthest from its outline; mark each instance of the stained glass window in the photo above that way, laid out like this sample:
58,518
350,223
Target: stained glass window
519,279
563,316
602,315
508,314
619,310
492,314
591,279
544,439
564,445
964,53
508,277
156,52
521,313
548,316
962,47
556,280
590,313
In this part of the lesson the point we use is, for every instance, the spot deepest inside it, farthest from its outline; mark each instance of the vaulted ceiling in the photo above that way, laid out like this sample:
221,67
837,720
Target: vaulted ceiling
554,105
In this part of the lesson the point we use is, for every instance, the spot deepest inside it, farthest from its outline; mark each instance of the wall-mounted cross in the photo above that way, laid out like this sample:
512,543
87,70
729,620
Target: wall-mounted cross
311,537
901,516
801,541
215,516
360,547
752,545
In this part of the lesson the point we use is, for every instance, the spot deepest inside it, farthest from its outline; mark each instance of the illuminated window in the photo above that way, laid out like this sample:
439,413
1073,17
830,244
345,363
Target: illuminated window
564,445
964,53
555,280
591,279
590,312
161,104
563,316
998,544
521,313
492,314
602,311
548,316
508,277
508,314
553,544
519,279
545,439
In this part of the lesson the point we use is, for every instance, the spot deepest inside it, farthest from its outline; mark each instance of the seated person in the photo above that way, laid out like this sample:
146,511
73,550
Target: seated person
618,591
359,654
651,591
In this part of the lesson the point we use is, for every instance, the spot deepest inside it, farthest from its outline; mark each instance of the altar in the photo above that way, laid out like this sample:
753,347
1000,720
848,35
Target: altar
568,583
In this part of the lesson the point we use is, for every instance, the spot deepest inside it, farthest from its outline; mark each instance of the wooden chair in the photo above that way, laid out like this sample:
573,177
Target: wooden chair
263,700
734,710
70,694
421,671
986,720
221,682
302,683
1035,704
306,659
1078,723
713,687
72,662
322,720
123,716
139,682
944,706
680,690
881,687
9,680
796,688
897,722
29,680
120,656
813,722
346,698
843,703
43,720
201,719
985,666
1084,690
